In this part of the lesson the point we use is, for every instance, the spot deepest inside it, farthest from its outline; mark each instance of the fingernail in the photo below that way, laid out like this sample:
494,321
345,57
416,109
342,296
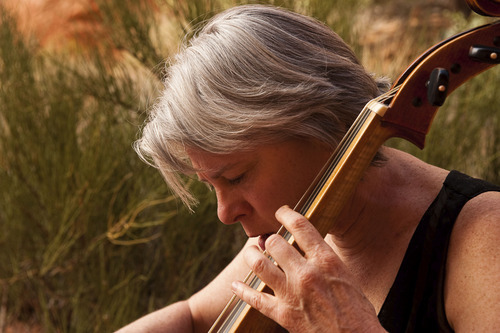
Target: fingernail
281,209
284,207
235,286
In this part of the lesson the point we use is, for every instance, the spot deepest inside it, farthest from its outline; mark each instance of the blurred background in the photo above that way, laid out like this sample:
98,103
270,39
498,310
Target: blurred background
90,237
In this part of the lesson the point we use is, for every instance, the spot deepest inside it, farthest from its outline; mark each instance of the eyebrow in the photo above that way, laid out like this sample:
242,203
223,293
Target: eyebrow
218,174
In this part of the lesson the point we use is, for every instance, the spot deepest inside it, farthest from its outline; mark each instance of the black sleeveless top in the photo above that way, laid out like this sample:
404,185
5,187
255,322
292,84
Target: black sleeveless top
415,301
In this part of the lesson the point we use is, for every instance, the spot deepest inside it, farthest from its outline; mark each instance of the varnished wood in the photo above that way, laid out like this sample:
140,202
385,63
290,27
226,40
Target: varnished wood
410,113
485,7
341,184
329,203
407,115
252,321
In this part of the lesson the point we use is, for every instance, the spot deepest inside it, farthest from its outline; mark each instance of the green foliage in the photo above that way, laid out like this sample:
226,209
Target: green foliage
91,237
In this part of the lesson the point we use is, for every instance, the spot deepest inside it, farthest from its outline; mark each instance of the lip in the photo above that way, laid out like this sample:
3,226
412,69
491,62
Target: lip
262,240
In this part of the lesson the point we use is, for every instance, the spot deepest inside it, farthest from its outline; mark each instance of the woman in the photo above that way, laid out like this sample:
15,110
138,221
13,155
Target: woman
254,106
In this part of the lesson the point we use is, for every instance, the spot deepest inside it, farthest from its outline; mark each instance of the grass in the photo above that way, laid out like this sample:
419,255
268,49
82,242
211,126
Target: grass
91,237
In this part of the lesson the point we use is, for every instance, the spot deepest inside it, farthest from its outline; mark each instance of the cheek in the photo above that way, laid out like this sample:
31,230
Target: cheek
274,194
292,189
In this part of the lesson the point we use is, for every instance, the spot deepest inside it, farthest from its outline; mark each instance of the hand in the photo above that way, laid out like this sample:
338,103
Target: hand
313,292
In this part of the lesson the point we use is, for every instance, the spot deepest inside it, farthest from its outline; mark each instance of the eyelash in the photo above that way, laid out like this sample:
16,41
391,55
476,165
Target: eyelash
237,180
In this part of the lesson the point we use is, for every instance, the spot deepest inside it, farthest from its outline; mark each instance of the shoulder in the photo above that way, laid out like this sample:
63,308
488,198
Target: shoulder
472,287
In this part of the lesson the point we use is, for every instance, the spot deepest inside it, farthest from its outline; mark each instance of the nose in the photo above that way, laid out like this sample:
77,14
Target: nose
231,207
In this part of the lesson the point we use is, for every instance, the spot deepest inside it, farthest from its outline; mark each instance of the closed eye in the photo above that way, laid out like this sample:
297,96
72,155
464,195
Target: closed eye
237,180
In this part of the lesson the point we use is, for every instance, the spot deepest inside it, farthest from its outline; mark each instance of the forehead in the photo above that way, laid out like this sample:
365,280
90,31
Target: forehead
204,161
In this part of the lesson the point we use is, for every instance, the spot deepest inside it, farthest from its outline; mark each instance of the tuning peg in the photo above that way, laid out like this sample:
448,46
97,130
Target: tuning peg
437,86
487,54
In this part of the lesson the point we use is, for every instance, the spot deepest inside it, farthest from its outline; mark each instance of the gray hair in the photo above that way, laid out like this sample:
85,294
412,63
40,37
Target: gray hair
254,74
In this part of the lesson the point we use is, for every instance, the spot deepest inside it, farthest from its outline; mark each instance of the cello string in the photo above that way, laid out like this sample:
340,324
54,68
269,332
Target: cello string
340,151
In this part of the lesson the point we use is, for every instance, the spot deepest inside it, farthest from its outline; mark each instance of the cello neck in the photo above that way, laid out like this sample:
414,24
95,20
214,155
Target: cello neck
407,112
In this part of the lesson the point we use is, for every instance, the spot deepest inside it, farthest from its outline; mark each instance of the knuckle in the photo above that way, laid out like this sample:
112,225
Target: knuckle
331,261
259,265
298,222
272,240
328,261
307,279
256,302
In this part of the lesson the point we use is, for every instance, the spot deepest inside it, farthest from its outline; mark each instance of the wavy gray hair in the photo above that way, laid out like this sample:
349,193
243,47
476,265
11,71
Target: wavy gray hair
254,74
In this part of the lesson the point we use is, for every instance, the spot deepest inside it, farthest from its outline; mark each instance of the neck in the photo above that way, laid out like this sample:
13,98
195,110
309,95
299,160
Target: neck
387,205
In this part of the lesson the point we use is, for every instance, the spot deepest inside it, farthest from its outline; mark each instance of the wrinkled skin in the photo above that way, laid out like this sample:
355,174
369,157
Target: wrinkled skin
311,291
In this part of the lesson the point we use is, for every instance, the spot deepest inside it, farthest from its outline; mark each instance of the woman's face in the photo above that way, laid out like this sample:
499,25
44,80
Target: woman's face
250,186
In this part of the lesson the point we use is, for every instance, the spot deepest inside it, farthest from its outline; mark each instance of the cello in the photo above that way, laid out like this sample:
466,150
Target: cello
406,111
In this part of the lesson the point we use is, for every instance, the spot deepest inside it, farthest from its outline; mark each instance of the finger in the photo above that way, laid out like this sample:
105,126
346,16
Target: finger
305,234
263,302
287,257
264,268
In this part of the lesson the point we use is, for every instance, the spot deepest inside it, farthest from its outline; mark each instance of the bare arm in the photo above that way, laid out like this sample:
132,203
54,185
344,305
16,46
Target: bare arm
198,313
472,290
177,317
